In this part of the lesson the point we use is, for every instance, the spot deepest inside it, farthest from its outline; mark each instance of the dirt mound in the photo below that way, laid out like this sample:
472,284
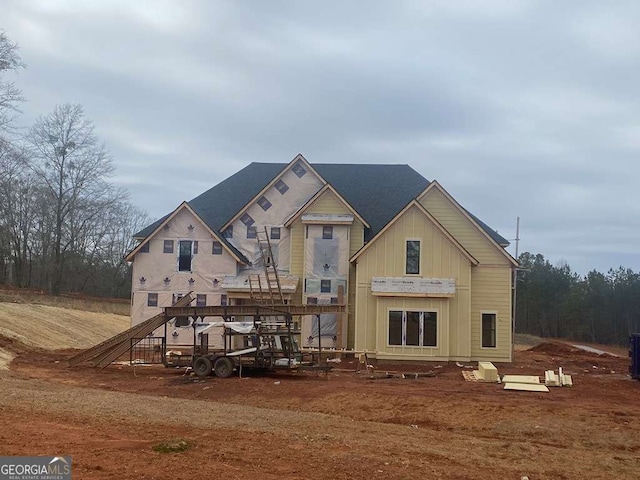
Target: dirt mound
560,349
48,327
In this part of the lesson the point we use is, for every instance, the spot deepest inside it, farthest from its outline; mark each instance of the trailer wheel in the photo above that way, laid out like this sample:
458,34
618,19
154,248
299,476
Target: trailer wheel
223,367
202,366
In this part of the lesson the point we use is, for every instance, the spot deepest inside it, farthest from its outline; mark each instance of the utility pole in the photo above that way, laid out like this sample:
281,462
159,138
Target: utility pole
515,291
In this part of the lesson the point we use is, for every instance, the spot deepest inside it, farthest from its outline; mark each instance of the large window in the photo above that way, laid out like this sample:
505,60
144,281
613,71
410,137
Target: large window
413,328
185,255
488,330
413,257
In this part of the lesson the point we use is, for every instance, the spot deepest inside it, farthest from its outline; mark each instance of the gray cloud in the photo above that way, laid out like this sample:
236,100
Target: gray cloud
518,108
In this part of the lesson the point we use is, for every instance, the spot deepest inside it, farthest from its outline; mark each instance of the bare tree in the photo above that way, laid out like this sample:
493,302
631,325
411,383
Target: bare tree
73,167
10,95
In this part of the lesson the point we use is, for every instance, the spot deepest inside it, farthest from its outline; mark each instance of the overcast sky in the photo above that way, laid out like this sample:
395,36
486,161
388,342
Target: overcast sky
518,108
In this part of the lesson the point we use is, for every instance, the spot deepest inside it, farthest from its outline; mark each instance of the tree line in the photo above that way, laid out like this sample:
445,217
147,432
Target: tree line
553,301
64,226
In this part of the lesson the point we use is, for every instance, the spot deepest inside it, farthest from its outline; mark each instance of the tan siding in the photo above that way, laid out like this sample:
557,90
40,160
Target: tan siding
491,292
474,241
439,258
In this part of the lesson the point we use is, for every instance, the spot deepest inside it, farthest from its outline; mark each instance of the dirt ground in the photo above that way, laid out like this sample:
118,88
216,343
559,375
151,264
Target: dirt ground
345,425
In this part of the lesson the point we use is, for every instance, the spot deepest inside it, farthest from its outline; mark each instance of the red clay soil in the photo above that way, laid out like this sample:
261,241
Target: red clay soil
429,427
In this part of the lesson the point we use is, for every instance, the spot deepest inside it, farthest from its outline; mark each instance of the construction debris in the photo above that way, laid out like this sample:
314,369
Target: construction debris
526,387
559,380
528,379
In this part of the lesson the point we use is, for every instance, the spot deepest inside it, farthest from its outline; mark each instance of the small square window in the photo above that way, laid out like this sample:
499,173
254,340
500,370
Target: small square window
182,322
281,187
251,232
144,248
223,300
264,203
247,220
327,232
152,300
228,233
325,286
217,248
168,246
299,170
312,300
201,300
275,233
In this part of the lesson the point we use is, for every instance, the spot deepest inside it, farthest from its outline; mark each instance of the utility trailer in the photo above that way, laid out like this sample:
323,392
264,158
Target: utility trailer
268,343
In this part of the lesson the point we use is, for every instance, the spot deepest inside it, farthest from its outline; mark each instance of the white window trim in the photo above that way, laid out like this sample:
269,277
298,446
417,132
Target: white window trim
404,268
404,327
494,312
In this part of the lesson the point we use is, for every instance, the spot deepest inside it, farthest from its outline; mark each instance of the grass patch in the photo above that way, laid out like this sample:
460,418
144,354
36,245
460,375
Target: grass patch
172,446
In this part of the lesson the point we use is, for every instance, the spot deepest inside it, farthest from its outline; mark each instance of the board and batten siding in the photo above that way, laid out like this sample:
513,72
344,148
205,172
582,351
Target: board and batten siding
491,279
439,258
462,229
491,287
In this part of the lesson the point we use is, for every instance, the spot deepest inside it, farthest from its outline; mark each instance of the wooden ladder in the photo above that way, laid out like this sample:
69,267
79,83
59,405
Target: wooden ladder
273,287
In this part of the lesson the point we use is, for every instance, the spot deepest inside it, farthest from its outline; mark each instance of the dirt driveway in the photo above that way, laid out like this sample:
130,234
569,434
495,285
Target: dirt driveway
345,426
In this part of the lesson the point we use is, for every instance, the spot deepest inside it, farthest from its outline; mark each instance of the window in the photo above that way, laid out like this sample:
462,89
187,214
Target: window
195,247
201,300
144,248
152,300
251,232
228,233
312,300
216,249
275,233
185,255
414,329
327,232
264,203
488,330
182,322
325,286
168,246
281,187
223,300
413,257
247,220
334,300
299,170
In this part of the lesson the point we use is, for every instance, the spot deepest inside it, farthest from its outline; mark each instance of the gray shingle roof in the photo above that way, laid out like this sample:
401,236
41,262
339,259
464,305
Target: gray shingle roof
377,192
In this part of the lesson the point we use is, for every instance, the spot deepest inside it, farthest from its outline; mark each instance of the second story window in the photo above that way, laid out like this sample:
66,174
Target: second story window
168,246
413,257
216,249
185,255
251,232
327,232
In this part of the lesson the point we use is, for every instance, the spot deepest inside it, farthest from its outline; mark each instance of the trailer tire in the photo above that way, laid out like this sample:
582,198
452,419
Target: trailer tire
202,366
223,367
